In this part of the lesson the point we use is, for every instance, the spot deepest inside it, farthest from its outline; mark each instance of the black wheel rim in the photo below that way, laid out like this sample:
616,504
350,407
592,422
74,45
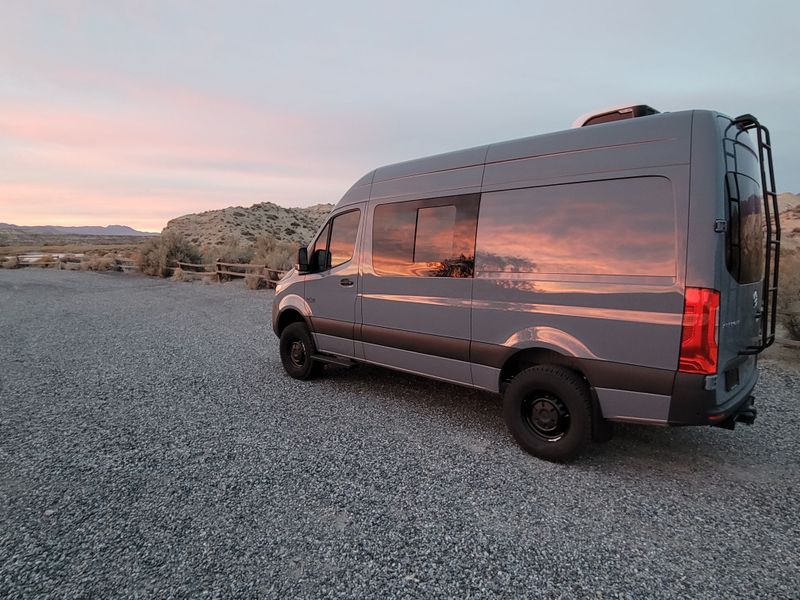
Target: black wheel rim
546,416
297,353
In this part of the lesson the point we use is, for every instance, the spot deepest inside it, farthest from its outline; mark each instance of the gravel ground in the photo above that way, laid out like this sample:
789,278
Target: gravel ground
151,446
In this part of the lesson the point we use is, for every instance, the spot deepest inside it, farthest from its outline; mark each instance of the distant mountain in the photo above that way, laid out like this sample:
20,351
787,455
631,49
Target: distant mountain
211,228
85,230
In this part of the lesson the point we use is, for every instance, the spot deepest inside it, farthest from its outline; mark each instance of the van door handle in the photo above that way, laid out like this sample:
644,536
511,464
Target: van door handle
346,282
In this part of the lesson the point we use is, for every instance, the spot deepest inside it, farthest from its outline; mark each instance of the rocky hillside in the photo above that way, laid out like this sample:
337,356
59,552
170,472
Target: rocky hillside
789,205
212,227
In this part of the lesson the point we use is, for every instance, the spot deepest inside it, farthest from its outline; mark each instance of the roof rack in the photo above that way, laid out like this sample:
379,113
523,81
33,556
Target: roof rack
614,113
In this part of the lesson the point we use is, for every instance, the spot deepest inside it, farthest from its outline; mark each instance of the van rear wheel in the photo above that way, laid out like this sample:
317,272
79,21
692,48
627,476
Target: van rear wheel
548,410
297,348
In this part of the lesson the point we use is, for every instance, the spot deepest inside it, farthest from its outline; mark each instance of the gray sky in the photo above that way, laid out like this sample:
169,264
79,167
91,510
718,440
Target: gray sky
136,112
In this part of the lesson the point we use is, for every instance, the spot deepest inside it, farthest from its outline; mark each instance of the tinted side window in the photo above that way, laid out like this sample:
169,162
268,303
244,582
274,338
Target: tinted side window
425,238
745,239
620,227
343,237
433,241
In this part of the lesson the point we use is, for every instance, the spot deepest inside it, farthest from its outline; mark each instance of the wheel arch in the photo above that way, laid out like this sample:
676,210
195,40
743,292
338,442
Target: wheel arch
288,316
539,355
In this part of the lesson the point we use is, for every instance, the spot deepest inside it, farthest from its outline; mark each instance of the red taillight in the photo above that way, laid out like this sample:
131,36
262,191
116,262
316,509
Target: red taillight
699,337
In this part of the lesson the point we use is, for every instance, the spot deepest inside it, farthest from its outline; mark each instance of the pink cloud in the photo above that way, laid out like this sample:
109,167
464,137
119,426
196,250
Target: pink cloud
159,153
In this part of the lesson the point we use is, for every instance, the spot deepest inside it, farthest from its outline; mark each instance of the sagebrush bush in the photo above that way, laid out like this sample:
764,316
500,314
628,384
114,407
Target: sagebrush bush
107,262
274,254
181,275
43,260
254,280
232,250
10,263
157,253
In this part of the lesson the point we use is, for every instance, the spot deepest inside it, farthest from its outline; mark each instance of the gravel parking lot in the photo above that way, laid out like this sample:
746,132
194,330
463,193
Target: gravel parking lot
151,446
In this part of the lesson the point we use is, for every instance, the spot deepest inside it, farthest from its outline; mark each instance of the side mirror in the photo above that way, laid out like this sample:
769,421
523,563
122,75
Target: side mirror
322,260
302,261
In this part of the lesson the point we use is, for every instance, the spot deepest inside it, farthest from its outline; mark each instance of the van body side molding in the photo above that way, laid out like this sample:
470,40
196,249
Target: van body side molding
602,374
423,343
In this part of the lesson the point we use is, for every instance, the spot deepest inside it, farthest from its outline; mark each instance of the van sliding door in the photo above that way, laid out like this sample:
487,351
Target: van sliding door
417,286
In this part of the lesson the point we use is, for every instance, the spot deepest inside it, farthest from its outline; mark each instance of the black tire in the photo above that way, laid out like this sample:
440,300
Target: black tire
297,348
549,412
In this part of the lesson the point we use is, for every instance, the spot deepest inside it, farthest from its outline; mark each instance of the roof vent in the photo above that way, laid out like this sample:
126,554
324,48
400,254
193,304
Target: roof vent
615,113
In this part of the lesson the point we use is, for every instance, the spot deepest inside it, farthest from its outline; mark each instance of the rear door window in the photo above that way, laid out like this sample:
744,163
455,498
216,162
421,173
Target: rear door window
745,240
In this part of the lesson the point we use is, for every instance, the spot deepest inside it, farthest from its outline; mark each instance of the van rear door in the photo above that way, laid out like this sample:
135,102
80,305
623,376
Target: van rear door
747,307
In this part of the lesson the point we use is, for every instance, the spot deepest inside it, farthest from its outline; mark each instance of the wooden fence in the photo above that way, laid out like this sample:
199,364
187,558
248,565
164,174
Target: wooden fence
220,270
225,269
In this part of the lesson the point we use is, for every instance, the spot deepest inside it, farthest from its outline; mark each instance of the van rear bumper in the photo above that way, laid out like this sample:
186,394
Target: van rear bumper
692,404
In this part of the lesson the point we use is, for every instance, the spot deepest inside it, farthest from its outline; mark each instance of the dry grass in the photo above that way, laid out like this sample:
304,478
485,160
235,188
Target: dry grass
81,248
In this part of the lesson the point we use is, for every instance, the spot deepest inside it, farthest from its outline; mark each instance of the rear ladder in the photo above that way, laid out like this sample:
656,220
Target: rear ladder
769,313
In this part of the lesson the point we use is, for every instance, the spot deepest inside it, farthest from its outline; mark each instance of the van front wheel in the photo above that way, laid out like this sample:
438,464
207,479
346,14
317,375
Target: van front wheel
297,348
548,410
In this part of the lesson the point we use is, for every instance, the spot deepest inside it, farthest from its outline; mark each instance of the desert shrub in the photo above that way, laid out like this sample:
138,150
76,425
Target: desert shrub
10,263
107,262
157,253
69,262
232,249
273,253
789,292
254,280
43,260
181,275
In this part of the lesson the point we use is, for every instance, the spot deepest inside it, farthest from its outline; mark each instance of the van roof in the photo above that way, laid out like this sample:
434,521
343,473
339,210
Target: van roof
663,126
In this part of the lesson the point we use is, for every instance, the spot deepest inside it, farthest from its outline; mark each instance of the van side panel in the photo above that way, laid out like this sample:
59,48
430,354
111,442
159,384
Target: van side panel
593,269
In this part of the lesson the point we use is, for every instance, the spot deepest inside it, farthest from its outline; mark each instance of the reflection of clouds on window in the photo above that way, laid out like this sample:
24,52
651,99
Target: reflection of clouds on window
434,238
506,262
343,237
425,238
621,227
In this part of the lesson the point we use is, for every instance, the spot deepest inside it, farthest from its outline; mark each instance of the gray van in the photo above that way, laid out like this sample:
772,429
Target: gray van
622,270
